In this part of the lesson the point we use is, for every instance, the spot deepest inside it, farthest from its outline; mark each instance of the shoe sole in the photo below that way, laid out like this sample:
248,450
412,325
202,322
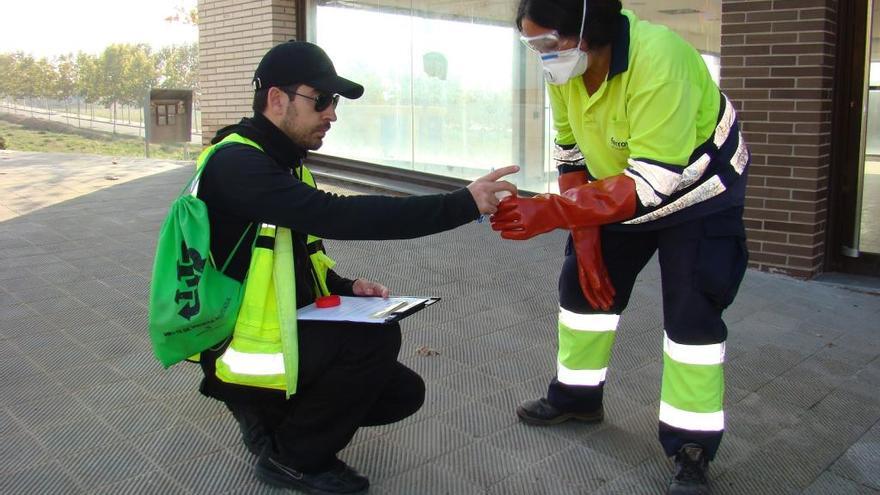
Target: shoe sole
562,418
280,481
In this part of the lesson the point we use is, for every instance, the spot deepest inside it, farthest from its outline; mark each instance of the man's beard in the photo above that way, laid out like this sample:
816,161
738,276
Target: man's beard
301,138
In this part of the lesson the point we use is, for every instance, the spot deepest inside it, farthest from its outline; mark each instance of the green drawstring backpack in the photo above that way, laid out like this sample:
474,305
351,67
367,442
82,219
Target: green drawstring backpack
193,304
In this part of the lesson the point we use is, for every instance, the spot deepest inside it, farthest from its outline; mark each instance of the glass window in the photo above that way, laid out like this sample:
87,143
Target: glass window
161,115
450,90
869,232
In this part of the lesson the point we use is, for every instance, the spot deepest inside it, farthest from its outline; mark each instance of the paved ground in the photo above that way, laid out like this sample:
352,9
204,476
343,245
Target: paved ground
84,407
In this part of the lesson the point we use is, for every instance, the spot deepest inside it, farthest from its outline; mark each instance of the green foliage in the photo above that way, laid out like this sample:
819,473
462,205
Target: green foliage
122,73
183,16
129,71
89,83
7,68
66,77
178,66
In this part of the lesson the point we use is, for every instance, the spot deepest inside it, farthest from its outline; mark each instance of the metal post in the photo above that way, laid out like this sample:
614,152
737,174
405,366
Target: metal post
147,125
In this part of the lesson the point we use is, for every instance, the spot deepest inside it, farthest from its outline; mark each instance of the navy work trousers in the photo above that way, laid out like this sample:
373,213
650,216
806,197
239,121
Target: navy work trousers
702,263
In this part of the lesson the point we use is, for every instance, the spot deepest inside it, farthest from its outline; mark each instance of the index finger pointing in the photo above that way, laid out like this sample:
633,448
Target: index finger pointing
501,172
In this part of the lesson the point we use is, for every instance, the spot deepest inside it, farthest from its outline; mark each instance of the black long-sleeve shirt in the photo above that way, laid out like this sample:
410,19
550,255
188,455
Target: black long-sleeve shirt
242,185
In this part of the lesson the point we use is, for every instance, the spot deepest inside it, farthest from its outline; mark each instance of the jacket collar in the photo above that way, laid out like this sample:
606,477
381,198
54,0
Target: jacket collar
274,142
620,49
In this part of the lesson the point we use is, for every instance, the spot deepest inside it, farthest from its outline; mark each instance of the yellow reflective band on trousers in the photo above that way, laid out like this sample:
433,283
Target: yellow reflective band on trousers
254,357
692,393
585,342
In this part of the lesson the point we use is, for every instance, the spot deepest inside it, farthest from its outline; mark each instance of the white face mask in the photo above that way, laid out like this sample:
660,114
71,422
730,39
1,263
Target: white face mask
560,67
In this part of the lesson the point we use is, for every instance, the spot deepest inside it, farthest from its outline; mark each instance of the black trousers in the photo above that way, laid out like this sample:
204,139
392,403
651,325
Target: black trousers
349,377
702,263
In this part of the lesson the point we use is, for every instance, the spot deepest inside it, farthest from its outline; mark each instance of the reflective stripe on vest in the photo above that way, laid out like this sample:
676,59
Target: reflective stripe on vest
255,357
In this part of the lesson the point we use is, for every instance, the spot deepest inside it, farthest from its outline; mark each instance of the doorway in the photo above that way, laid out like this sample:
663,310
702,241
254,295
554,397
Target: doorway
854,225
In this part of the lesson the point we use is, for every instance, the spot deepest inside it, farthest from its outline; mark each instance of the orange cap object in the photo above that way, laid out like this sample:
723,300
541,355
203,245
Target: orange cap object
328,301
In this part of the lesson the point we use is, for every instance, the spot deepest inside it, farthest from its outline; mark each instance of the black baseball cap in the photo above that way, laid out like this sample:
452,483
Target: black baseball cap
301,62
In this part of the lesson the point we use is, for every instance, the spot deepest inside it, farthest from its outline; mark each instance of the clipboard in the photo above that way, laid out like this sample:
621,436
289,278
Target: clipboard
374,310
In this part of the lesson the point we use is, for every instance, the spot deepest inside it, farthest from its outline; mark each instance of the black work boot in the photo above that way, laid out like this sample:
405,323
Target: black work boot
542,412
340,478
689,477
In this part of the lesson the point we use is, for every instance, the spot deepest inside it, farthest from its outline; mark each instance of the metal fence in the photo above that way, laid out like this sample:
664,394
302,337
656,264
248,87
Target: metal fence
128,120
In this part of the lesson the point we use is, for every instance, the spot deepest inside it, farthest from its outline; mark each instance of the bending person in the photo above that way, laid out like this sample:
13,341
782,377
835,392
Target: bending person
650,159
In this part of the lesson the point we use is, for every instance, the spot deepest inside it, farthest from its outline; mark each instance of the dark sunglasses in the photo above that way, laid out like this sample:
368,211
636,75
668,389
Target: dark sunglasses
322,101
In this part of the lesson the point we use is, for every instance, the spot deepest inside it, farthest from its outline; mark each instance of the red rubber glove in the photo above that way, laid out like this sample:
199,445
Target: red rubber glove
570,180
596,203
592,274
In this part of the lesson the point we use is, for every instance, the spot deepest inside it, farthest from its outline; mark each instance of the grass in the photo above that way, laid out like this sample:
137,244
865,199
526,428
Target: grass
26,134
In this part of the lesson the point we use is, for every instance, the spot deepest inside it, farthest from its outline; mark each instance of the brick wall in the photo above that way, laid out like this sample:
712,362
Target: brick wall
777,65
233,36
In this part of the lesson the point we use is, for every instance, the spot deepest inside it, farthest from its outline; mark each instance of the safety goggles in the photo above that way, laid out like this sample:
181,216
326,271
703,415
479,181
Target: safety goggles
322,101
544,43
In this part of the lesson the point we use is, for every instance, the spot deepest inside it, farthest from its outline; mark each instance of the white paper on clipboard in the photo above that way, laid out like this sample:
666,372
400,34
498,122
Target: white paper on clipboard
365,309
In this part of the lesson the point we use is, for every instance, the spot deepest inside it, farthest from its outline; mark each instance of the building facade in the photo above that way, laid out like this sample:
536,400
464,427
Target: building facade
450,91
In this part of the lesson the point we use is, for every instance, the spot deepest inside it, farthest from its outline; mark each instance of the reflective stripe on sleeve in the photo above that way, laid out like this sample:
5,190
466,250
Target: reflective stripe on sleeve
662,180
253,364
646,194
694,172
686,420
709,189
722,130
741,158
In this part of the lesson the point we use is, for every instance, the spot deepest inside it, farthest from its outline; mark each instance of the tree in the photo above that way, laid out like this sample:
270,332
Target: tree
67,76
178,66
184,16
44,79
129,72
22,68
89,83
66,79
7,74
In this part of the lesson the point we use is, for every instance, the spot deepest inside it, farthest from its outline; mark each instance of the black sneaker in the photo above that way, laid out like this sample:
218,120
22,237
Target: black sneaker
689,477
339,479
542,412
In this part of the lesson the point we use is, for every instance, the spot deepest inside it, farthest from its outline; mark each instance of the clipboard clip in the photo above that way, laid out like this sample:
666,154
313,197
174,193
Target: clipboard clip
389,310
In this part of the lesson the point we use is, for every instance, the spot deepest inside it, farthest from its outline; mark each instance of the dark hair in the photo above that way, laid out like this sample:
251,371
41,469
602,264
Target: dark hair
602,20
261,96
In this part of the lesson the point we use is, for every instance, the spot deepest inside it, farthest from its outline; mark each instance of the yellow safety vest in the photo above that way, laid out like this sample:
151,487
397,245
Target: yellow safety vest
263,351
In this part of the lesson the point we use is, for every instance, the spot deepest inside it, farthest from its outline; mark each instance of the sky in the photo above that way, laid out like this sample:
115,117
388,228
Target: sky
48,28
